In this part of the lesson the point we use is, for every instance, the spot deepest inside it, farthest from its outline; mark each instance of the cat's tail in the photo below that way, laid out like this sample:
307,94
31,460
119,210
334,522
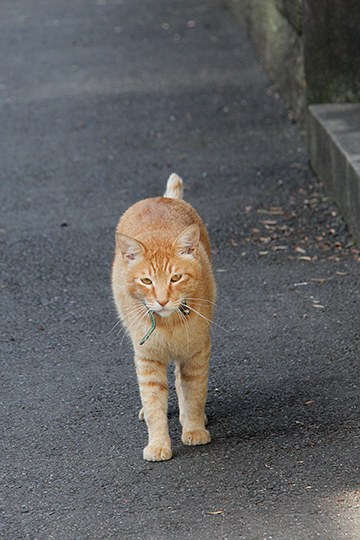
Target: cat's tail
174,187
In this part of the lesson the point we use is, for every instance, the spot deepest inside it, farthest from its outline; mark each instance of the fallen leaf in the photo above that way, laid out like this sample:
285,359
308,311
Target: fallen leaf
319,306
215,512
319,280
269,222
310,402
262,253
299,249
279,248
304,258
273,211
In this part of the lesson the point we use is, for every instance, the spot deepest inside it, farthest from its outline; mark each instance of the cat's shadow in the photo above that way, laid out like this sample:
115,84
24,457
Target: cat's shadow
290,407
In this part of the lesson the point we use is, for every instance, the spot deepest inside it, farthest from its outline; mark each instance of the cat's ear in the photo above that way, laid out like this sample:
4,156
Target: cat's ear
188,241
130,248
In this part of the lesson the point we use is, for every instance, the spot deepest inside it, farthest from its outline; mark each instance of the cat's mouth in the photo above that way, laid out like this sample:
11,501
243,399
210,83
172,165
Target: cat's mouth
167,311
183,308
164,312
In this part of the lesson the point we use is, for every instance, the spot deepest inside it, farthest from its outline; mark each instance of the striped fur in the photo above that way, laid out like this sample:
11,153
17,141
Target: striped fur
162,258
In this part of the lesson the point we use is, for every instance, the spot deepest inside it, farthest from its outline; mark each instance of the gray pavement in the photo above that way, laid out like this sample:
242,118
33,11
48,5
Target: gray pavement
100,101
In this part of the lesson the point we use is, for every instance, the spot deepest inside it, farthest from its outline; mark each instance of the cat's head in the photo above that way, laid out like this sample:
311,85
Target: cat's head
160,273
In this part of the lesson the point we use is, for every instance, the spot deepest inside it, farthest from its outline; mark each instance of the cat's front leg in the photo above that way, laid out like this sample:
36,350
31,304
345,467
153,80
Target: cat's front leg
152,379
191,385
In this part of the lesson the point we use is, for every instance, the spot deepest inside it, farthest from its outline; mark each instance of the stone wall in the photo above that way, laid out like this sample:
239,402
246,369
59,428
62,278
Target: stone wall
275,26
332,50
311,49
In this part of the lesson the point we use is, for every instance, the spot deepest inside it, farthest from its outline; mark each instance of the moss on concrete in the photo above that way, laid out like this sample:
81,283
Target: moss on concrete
275,27
311,49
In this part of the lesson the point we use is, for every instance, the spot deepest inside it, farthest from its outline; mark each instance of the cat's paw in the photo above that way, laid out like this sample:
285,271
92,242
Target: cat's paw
196,436
153,452
141,414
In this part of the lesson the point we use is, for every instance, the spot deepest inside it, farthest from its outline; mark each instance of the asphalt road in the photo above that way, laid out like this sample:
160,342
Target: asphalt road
100,101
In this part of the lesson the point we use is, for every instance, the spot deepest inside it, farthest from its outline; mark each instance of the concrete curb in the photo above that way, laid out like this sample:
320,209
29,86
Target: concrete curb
334,144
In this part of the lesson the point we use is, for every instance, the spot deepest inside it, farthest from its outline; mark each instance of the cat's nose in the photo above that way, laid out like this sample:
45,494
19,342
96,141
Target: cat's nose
162,302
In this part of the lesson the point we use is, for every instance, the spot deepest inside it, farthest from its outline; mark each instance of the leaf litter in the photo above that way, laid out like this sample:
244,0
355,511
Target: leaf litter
307,228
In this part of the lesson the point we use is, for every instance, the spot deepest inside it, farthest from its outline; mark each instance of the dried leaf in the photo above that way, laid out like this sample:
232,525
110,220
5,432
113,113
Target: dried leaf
310,402
215,512
320,280
273,211
269,222
307,258
299,249
320,306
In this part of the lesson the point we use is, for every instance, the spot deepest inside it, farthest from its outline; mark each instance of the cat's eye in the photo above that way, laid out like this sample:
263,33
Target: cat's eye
175,278
146,281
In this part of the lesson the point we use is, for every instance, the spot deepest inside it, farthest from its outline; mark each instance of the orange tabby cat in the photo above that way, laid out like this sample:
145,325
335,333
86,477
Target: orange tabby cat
164,291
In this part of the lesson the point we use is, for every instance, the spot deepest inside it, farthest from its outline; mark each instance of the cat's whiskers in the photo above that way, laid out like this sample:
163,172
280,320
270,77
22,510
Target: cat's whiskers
201,300
137,307
208,320
113,328
136,320
133,314
129,312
